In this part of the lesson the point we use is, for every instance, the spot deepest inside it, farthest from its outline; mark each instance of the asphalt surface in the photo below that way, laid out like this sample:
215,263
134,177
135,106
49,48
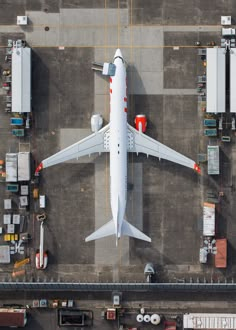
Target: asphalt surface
65,93
157,41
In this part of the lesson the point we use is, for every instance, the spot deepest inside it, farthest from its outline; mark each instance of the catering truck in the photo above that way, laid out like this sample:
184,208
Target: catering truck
13,317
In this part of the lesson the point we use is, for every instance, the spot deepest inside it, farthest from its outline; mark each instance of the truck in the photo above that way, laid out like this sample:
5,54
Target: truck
13,317
24,166
11,167
213,156
209,219
221,253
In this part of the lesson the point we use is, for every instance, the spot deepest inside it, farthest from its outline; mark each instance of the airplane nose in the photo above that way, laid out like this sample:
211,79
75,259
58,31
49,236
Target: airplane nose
118,53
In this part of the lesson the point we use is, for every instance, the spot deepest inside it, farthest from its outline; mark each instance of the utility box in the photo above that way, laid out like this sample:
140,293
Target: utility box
213,156
22,20
225,20
228,32
111,314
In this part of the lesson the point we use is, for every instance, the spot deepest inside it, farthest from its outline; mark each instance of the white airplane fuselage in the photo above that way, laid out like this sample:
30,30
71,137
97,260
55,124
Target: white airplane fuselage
118,143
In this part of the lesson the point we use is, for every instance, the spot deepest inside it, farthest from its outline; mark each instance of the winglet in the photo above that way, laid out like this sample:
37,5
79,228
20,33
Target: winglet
197,168
38,169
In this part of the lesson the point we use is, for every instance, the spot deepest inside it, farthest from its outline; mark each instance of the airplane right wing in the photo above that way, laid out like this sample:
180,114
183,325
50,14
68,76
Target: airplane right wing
141,143
95,143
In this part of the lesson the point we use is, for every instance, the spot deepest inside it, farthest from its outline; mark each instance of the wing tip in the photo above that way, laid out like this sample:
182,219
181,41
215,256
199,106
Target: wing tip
38,169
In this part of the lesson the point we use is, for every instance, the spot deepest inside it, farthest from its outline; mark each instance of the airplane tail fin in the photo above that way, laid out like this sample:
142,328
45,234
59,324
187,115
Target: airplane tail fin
109,229
130,230
106,230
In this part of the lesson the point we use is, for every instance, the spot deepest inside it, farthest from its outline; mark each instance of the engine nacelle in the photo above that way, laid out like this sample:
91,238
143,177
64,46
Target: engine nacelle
96,122
141,123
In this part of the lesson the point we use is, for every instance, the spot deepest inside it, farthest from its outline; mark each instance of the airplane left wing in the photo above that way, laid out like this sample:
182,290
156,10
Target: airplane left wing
95,143
141,143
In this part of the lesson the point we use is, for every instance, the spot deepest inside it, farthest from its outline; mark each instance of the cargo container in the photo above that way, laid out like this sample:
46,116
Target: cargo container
24,166
209,219
11,167
18,132
221,253
209,122
13,317
16,121
210,132
213,156
12,187
209,321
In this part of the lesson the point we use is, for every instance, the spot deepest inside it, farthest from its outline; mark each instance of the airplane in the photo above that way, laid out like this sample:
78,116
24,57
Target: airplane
118,138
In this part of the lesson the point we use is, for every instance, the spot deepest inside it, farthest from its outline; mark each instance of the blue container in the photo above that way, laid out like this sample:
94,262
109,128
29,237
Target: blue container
16,121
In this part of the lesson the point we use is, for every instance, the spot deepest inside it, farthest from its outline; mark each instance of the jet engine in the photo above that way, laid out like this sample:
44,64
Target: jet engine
96,122
141,123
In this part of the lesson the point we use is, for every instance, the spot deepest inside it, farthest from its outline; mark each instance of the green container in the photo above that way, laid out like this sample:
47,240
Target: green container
18,132
210,132
12,187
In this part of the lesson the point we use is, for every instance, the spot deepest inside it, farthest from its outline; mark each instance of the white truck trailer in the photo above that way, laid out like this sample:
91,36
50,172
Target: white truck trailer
24,166
11,167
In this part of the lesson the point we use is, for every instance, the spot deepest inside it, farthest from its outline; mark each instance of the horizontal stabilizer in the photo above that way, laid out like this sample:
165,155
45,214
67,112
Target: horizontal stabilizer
104,231
129,230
